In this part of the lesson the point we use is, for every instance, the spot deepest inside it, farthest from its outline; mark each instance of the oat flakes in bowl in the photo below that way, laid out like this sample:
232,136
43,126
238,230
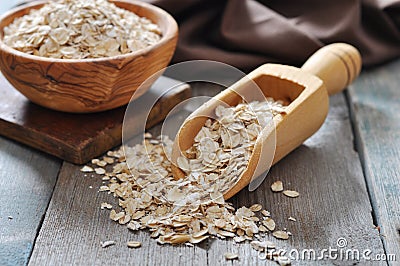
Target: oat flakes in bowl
86,60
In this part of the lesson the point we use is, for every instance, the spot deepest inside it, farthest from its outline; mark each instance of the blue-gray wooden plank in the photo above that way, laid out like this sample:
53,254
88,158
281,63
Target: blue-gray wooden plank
375,104
27,179
334,204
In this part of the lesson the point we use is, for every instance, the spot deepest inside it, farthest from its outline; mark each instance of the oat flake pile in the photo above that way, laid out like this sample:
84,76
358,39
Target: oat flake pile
192,209
77,29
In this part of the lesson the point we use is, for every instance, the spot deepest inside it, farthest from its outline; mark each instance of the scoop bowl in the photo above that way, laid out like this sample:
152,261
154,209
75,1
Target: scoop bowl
303,90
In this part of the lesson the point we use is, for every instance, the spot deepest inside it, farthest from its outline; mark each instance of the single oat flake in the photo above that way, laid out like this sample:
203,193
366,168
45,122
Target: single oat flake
101,163
87,169
291,193
106,205
134,244
281,235
231,256
100,171
256,207
277,186
269,223
107,244
265,213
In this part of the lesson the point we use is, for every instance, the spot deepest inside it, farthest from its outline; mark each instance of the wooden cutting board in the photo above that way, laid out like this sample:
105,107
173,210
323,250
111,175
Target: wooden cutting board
77,138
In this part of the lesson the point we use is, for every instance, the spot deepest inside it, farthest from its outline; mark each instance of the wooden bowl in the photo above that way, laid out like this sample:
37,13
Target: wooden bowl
88,85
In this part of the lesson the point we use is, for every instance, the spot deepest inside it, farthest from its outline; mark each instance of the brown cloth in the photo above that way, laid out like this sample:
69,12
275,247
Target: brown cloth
248,33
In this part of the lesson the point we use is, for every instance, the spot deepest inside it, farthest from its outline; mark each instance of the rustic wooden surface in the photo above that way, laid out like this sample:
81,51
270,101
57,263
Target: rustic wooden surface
76,138
375,99
334,201
326,171
336,66
27,179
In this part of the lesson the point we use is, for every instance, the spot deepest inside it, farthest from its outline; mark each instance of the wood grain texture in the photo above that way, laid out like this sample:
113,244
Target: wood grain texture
375,101
76,137
337,64
333,200
75,226
307,107
27,180
304,92
89,85
325,170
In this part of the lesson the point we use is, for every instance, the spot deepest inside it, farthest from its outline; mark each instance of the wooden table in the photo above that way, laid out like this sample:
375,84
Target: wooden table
348,175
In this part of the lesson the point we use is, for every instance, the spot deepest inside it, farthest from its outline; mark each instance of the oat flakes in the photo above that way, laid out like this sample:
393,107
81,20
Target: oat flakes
79,29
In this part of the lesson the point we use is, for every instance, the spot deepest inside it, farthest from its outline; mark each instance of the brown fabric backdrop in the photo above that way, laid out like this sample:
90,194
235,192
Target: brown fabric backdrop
248,33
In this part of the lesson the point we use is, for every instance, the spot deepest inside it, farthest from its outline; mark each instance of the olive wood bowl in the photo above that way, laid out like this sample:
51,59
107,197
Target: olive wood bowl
88,85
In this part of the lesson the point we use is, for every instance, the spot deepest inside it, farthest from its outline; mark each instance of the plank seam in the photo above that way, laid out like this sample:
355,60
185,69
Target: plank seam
39,227
358,144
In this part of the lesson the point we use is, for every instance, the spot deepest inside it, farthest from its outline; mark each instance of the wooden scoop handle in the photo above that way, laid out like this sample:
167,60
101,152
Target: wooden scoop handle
336,64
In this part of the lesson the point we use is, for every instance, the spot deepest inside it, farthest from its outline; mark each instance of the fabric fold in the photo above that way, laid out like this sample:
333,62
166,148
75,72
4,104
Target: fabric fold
248,33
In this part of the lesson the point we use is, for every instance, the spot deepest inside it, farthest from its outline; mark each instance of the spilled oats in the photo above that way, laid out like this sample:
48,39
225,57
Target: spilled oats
192,209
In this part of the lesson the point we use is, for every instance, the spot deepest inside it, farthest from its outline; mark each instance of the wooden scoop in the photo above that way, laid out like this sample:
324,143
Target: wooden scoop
304,91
